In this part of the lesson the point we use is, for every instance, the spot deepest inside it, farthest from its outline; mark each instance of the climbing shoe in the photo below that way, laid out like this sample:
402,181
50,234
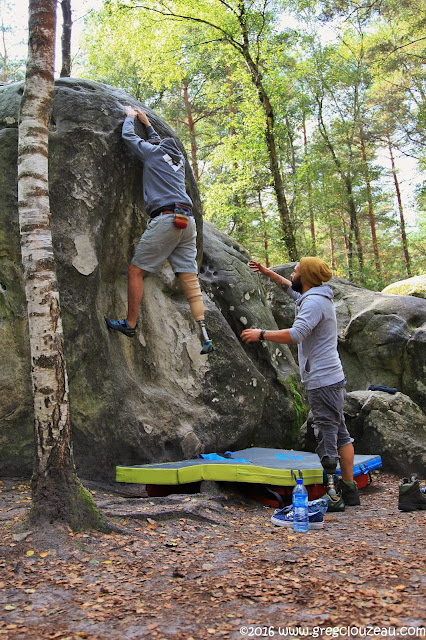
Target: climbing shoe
411,496
207,347
349,492
334,506
121,325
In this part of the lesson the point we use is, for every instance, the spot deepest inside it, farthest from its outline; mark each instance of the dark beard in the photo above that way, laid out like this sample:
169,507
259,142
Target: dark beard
297,285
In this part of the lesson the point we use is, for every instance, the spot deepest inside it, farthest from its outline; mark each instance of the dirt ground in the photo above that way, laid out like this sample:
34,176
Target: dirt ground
211,565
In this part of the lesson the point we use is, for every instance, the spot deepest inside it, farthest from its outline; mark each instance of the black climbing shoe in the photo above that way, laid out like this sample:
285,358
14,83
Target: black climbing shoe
121,325
349,492
411,496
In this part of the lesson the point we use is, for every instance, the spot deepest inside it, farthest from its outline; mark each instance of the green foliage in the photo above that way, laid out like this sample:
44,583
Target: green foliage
417,240
12,68
184,59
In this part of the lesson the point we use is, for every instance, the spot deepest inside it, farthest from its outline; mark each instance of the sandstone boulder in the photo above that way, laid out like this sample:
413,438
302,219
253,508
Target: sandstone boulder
386,345
382,338
390,425
415,286
153,398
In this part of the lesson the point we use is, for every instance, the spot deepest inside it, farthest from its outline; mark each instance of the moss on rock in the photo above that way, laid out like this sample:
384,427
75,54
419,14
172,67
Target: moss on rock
410,287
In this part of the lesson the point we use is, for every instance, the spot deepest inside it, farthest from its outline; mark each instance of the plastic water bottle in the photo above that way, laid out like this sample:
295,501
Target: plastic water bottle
300,507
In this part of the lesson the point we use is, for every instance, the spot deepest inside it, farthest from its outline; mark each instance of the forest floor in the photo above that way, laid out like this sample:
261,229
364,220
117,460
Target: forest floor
211,565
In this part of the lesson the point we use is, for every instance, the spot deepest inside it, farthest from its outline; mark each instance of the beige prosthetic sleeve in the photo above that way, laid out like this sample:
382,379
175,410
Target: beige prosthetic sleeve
192,291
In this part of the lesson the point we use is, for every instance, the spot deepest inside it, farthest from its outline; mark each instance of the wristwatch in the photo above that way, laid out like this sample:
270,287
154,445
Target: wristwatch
262,334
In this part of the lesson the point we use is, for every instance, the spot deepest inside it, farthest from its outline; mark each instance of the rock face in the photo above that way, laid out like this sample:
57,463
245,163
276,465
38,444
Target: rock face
382,338
382,341
153,398
392,425
410,287
389,425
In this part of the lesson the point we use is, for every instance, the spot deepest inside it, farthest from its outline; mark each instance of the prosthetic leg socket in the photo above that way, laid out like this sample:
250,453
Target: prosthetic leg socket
330,465
192,291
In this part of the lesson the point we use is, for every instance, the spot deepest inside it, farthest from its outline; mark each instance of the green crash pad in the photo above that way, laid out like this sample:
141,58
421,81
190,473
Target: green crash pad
254,465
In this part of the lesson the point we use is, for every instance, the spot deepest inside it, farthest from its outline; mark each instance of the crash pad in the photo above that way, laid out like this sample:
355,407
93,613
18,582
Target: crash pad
253,465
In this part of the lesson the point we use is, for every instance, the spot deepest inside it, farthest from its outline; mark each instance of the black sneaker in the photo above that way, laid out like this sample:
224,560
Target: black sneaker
121,325
349,492
411,496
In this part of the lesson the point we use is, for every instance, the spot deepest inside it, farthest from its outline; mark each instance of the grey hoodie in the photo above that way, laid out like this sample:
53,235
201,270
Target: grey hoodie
163,168
315,332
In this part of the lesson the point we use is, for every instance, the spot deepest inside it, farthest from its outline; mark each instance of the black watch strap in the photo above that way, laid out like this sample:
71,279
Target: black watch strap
262,335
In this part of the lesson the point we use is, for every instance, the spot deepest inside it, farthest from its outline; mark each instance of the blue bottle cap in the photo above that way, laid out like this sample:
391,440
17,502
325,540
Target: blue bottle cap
299,480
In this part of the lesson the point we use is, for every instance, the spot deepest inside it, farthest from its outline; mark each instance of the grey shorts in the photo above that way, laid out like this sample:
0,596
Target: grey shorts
327,419
163,241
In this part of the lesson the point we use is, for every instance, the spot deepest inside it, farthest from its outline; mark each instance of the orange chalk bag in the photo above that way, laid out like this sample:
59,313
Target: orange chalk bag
180,217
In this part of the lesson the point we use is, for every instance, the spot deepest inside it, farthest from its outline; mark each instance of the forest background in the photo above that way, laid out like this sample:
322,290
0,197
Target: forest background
304,121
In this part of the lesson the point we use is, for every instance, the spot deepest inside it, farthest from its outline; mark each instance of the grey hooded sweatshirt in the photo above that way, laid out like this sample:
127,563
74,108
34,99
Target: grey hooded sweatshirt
315,333
163,168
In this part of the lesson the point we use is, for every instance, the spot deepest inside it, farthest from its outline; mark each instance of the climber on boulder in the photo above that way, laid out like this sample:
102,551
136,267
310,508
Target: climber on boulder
171,231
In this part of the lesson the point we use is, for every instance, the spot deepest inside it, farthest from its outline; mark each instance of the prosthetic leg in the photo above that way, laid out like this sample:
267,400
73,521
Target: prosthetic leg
192,291
330,465
335,502
207,343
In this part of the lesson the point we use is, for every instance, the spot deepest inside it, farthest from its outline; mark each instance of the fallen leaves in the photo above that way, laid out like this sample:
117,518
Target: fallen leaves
192,578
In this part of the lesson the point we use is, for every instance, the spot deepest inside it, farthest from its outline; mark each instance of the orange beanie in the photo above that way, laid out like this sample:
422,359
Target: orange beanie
314,271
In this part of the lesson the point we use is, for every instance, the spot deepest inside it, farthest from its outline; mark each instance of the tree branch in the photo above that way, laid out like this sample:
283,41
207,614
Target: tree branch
260,31
228,6
406,45
178,16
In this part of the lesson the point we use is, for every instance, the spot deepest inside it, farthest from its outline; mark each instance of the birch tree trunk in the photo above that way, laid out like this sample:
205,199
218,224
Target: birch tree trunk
56,491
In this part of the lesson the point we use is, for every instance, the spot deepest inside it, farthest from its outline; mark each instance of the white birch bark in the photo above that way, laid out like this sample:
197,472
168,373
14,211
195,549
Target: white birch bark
49,378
